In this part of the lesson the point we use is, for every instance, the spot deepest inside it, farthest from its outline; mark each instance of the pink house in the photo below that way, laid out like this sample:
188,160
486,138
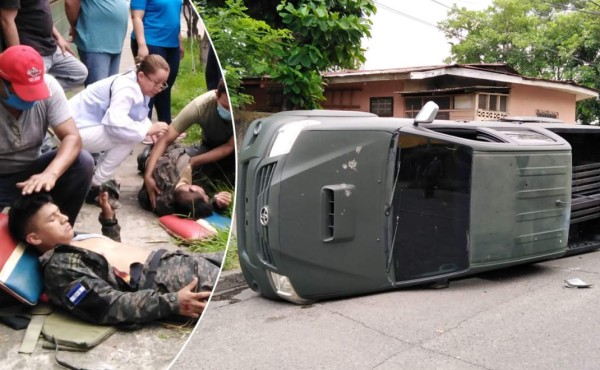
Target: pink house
462,91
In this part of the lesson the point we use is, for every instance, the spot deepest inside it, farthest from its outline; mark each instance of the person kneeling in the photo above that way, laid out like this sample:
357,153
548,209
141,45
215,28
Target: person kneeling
91,277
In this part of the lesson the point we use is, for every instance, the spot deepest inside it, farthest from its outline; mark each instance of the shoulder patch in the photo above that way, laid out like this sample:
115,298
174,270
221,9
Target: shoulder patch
77,293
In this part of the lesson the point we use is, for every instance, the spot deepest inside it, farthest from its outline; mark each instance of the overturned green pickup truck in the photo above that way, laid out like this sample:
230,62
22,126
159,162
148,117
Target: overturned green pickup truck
333,203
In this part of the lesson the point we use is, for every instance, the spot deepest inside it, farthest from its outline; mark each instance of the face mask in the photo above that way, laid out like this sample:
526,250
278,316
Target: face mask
224,113
15,102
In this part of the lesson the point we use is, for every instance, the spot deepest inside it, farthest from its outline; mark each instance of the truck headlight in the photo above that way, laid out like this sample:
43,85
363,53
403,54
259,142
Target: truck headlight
283,287
287,135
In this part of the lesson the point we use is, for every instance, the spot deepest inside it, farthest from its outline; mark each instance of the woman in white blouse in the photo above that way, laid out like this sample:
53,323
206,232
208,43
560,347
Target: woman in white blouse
112,115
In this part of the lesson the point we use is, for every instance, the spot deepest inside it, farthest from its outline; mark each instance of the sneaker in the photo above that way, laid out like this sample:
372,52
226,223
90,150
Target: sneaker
115,204
112,187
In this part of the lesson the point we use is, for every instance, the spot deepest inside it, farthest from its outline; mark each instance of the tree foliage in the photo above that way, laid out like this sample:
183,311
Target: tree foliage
553,39
325,35
245,46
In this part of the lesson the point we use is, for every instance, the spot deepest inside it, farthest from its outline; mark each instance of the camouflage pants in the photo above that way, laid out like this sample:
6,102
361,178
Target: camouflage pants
176,270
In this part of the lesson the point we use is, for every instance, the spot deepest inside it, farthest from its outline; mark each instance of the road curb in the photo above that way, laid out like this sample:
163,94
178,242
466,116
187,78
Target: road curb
230,283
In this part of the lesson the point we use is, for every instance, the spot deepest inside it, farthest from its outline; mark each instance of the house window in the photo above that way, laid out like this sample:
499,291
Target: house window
463,102
492,102
383,107
413,104
341,98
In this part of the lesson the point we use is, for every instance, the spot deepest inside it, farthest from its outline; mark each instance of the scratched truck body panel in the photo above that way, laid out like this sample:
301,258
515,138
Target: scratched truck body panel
334,204
584,230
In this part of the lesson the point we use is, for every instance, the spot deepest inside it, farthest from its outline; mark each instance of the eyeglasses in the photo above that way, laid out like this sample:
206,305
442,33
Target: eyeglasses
162,86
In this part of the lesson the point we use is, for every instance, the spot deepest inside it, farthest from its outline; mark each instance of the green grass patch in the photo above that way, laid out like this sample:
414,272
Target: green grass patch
216,243
190,83
232,259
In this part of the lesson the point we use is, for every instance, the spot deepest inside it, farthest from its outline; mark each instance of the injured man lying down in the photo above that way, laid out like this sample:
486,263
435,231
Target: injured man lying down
103,281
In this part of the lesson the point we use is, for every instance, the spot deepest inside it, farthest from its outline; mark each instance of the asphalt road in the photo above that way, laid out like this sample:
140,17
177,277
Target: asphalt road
517,318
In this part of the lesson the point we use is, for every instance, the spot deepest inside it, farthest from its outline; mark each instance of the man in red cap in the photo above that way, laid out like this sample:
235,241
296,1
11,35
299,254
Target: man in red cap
30,102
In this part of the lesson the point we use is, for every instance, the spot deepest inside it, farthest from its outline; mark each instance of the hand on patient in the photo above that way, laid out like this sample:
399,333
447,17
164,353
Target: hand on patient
158,129
153,190
191,304
38,182
222,199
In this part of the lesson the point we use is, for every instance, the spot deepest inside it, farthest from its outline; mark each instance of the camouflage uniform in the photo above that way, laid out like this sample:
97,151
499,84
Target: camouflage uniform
167,173
82,282
110,227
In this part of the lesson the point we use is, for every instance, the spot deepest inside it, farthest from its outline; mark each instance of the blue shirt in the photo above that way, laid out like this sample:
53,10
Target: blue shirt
162,21
102,25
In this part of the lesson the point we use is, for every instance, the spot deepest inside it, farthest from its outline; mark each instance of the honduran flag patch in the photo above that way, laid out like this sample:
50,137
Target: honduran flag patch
20,270
77,293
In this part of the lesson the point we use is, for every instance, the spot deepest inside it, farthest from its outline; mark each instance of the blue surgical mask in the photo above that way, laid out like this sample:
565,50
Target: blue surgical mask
15,102
224,113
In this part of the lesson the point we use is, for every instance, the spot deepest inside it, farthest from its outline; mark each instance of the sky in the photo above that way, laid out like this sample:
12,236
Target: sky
398,40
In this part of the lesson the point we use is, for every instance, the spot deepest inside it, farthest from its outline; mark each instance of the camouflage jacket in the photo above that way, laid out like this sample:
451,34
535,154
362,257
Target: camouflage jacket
83,282
110,228
167,174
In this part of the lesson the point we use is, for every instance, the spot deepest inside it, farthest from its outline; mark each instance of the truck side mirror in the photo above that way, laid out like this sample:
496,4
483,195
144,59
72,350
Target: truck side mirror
427,113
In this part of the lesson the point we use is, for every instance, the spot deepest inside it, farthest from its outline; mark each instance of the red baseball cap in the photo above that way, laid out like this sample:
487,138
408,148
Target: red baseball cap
23,67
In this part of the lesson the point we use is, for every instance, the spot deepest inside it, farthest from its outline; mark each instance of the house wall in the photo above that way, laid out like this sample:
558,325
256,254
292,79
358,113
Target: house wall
523,100
527,100
361,95
461,115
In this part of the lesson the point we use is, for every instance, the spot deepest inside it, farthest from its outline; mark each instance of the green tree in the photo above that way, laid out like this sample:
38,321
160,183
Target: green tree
326,36
245,46
551,39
